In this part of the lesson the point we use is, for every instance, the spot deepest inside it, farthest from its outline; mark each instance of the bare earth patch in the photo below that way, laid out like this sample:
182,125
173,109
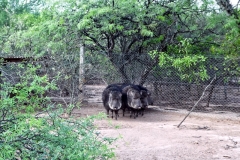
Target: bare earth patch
155,136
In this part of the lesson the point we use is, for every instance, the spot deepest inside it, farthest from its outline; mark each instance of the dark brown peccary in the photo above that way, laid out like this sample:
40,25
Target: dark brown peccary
112,99
131,99
145,98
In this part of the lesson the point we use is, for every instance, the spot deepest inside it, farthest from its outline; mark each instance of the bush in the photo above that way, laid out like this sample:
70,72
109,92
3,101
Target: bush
26,134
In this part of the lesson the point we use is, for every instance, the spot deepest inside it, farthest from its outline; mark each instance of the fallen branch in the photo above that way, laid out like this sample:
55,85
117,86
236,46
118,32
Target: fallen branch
202,96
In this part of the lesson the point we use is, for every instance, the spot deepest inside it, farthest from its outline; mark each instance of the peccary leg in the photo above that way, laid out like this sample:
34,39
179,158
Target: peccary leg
112,113
123,111
141,111
131,113
116,114
108,113
135,114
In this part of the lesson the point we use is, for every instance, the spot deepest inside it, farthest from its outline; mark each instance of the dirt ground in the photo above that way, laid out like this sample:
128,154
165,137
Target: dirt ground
155,136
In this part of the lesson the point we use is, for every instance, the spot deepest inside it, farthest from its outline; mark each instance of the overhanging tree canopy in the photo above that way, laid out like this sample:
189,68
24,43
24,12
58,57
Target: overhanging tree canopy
126,28
136,27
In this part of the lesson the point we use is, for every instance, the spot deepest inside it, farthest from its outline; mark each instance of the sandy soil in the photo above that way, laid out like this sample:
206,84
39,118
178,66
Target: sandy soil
155,136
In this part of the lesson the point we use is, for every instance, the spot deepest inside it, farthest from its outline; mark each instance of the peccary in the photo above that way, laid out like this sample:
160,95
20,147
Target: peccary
145,98
112,99
131,99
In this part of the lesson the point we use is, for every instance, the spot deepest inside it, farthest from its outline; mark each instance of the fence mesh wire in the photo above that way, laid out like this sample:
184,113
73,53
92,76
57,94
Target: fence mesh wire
64,72
166,84
168,88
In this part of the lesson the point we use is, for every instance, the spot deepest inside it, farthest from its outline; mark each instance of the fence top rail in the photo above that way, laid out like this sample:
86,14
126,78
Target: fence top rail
20,59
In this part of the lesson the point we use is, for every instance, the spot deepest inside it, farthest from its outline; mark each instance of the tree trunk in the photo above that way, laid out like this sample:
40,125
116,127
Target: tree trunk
148,70
227,6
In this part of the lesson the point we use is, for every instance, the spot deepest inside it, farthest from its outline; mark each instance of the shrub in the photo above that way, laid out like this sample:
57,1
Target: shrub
28,134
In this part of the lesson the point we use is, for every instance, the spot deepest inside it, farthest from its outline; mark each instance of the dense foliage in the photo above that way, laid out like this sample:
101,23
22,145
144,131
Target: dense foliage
183,35
32,127
120,28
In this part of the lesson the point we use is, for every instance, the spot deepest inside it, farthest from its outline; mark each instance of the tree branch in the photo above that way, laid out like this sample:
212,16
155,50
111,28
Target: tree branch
202,96
95,41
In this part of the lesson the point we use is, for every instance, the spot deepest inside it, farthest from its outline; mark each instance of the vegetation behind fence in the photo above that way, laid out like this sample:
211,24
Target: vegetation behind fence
171,86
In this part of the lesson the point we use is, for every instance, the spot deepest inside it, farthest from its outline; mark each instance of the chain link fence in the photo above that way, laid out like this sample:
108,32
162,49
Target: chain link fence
168,88
63,71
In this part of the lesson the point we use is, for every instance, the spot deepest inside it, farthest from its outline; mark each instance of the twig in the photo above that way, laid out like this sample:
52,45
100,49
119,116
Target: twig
202,96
